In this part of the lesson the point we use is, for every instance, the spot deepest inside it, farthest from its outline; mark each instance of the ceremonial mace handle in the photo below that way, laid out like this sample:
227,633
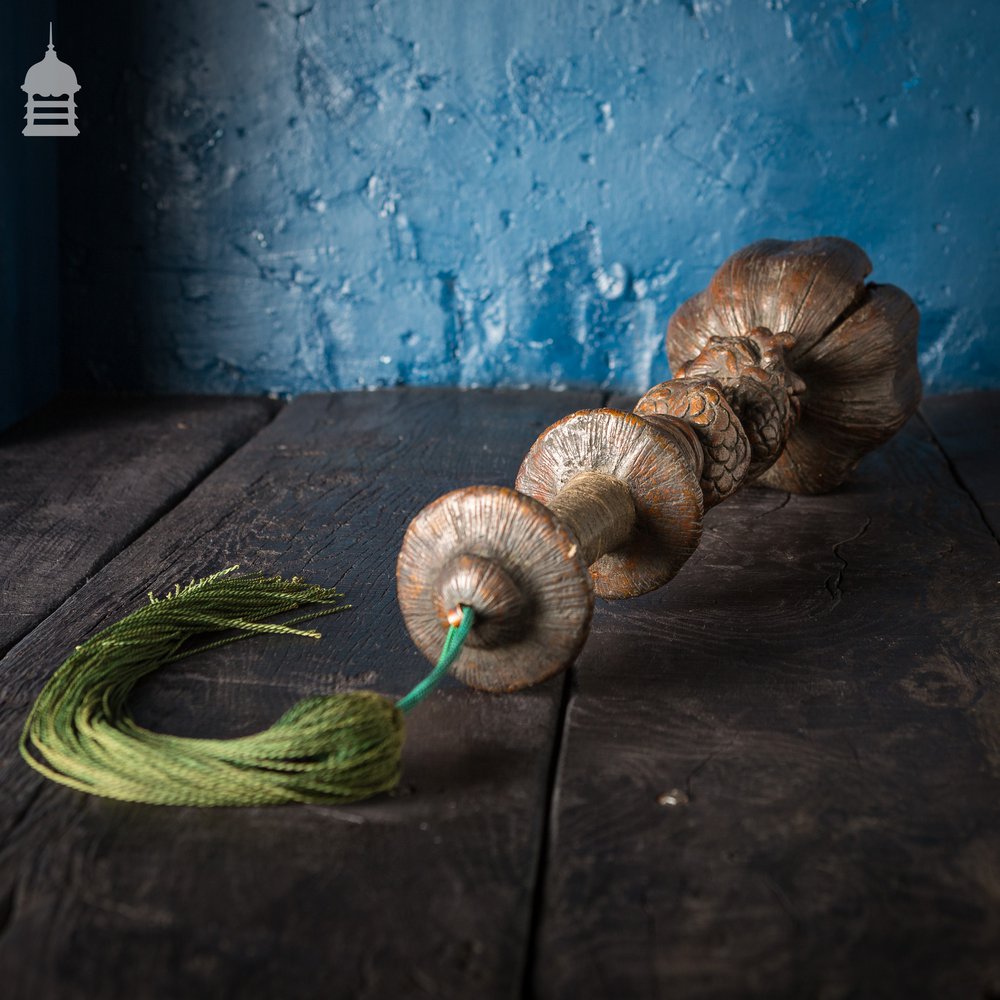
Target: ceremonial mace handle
611,503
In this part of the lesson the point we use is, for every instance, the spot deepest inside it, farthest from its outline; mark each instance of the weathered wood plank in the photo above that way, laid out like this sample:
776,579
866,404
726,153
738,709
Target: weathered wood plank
967,426
84,477
780,775
427,891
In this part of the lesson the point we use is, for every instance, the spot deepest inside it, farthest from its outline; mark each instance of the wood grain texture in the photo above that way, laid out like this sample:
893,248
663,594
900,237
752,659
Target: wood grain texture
425,892
780,775
862,387
800,287
83,478
967,426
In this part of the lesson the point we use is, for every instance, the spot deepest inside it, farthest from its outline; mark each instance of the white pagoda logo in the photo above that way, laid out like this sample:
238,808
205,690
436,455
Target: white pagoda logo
51,88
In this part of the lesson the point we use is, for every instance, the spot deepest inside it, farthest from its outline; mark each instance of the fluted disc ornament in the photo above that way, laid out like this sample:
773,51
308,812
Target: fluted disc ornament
657,465
852,344
507,557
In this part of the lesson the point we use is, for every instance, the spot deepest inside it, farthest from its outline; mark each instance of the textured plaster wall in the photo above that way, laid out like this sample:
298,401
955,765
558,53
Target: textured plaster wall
29,252
296,195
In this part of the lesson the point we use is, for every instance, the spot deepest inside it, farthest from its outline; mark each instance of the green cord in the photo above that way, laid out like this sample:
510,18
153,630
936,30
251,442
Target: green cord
452,647
325,749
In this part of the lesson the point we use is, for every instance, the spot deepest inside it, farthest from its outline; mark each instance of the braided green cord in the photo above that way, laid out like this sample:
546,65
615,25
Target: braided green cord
325,749
452,647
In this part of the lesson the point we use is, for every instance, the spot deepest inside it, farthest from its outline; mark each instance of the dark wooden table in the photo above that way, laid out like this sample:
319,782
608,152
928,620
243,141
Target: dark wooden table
779,776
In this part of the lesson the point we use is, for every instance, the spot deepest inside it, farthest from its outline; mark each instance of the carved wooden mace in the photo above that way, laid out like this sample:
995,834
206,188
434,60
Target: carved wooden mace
789,368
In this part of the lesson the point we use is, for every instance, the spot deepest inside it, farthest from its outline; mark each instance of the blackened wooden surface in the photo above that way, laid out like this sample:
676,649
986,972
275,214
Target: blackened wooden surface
967,426
780,775
79,481
428,891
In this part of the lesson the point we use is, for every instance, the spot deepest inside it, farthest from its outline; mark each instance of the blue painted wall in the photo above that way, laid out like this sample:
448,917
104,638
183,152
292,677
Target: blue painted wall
29,251
295,195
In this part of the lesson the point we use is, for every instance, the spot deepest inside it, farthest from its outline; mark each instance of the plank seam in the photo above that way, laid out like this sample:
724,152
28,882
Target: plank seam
957,476
170,504
146,525
546,840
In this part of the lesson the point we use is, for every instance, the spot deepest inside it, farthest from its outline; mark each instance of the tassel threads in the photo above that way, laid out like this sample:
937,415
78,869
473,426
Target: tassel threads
325,749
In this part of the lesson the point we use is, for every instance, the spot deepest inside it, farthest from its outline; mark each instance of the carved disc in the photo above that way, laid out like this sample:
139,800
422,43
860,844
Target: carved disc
863,385
855,347
799,288
508,557
654,463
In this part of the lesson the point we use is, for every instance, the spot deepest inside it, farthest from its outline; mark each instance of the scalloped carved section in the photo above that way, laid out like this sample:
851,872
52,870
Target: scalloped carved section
700,402
759,387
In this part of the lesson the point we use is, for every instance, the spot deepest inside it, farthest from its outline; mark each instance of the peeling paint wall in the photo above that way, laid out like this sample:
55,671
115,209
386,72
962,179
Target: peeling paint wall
295,195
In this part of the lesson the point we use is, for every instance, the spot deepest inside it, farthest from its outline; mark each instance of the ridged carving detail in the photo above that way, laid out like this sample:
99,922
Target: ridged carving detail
757,384
699,401
789,368
853,344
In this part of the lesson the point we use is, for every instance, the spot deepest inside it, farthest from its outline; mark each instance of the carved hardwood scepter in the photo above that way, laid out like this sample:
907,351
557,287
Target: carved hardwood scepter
789,369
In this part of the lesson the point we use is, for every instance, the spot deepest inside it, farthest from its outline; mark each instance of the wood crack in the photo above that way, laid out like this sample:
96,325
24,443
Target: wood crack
834,584
957,476
773,510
